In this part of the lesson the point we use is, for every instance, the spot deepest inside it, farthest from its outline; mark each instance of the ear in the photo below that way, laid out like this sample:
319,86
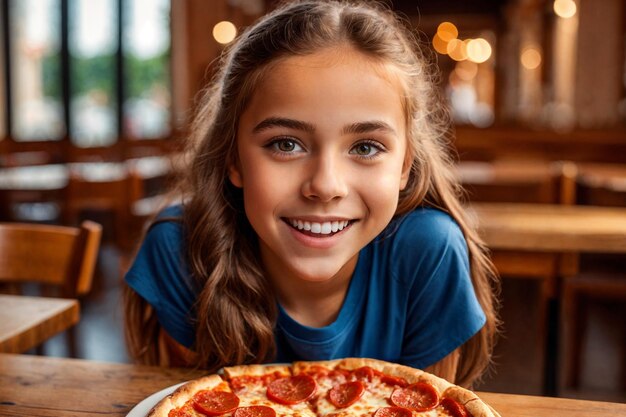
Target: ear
406,169
234,174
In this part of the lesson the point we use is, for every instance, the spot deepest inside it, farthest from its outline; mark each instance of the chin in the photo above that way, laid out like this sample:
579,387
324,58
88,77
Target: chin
316,274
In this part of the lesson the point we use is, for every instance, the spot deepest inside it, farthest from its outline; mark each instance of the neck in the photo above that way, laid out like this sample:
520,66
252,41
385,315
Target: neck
312,303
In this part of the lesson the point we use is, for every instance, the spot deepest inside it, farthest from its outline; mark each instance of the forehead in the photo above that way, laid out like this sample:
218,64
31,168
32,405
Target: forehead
334,59
339,78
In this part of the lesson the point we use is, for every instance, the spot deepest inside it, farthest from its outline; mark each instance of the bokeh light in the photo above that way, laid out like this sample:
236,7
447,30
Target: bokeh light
565,8
440,45
466,70
447,31
224,32
531,58
457,49
478,50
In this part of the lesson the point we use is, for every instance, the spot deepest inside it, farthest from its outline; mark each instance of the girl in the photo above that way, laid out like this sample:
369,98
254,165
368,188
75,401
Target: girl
321,217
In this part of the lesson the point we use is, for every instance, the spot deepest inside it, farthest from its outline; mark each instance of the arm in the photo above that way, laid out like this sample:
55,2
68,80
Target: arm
173,354
446,368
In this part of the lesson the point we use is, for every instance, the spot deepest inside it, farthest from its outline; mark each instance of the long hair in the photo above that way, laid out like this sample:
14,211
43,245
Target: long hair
235,314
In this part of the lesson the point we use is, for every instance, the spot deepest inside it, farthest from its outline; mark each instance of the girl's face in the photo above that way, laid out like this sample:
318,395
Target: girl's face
322,158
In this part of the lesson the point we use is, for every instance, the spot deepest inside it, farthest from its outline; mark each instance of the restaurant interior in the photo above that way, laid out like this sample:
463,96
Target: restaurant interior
96,98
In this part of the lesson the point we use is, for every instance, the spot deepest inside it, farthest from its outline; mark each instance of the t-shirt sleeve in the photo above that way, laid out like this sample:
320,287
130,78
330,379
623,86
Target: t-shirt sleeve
442,311
159,275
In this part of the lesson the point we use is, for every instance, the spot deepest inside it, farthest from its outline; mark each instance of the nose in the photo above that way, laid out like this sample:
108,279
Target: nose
326,179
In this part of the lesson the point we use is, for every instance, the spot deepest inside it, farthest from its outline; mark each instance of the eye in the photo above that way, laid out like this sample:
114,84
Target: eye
368,149
285,145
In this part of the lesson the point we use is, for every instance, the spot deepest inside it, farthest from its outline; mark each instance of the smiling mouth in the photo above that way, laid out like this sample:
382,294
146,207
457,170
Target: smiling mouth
319,229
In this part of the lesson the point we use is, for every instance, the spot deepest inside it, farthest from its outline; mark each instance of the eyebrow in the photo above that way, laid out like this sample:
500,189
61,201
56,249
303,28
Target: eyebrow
284,122
354,128
369,126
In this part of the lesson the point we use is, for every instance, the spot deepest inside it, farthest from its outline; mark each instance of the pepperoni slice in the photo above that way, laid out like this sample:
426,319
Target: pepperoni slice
255,411
419,397
184,411
292,389
393,412
214,403
346,394
394,380
364,373
454,408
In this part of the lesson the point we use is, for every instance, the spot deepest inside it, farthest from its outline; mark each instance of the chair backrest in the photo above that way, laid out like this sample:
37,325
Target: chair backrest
32,193
602,184
60,256
105,186
518,181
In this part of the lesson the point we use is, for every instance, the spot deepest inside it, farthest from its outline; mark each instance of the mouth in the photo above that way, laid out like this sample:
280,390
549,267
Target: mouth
319,229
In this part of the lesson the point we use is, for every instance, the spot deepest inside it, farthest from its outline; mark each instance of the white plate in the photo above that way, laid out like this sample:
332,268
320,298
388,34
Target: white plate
141,409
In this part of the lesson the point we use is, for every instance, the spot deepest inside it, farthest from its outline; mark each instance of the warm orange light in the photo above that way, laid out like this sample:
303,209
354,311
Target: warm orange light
447,31
440,45
565,8
466,70
224,32
531,58
457,49
478,50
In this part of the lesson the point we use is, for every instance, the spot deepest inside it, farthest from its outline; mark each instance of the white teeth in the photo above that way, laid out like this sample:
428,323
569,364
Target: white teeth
324,228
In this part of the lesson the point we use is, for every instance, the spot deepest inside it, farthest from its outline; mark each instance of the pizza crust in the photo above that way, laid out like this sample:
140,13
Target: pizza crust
477,408
185,392
307,366
255,370
439,383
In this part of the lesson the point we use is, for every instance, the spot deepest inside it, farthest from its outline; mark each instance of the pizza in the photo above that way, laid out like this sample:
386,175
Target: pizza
352,387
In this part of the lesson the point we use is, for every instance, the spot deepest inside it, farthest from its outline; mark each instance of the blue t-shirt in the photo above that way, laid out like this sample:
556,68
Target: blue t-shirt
410,299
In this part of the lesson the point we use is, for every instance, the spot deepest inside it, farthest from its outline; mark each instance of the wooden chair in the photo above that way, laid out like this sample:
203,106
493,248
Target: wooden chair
59,258
107,196
602,277
32,194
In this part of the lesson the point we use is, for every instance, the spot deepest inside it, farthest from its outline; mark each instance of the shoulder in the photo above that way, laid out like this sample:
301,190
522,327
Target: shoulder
166,228
425,228
421,246
161,254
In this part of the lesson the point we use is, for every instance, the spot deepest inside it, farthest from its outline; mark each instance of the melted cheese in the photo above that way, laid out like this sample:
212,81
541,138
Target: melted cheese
256,394
376,396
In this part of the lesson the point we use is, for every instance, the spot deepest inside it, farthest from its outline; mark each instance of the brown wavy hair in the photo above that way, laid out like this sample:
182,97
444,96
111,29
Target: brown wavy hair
236,313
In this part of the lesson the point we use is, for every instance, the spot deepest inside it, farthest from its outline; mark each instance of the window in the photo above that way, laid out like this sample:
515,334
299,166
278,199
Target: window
92,49
91,71
3,111
34,70
146,43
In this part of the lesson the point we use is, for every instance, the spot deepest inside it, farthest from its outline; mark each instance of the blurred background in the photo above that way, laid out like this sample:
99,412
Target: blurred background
96,97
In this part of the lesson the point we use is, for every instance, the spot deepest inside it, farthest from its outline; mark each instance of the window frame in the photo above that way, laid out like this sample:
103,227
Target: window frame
64,150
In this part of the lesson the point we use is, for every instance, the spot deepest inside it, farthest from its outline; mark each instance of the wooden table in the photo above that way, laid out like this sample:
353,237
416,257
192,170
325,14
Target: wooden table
25,321
551,229
45,386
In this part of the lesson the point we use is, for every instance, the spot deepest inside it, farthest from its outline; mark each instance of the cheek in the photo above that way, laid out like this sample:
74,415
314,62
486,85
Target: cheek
381,191
264,194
